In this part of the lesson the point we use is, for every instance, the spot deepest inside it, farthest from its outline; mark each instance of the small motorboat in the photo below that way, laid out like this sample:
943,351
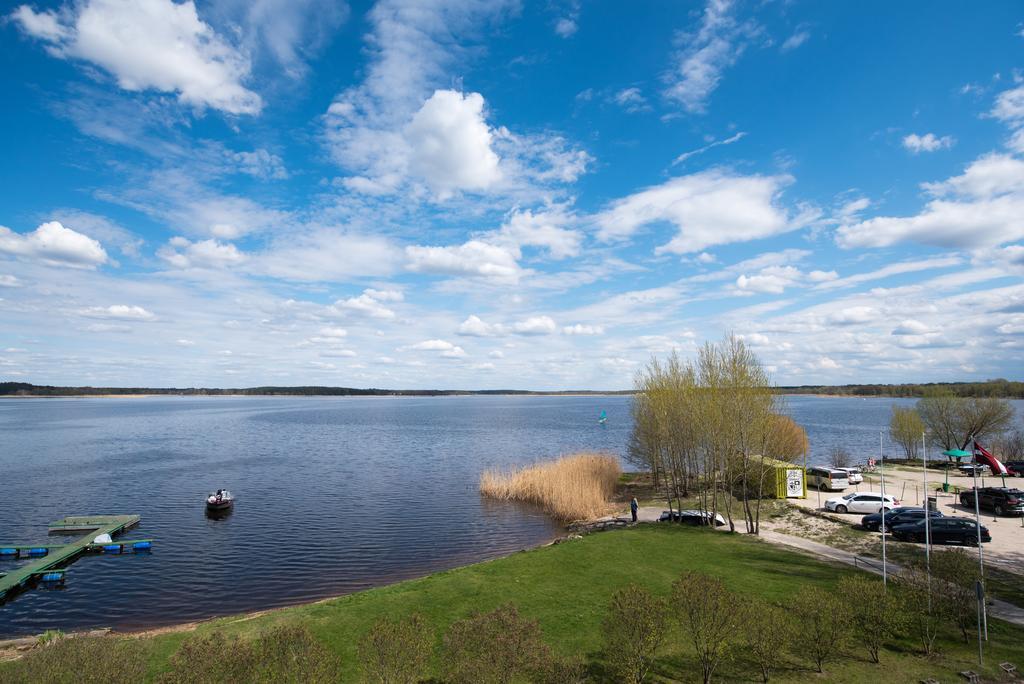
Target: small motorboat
221,500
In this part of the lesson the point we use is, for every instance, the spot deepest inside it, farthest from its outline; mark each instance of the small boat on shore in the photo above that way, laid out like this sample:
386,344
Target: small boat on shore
220,501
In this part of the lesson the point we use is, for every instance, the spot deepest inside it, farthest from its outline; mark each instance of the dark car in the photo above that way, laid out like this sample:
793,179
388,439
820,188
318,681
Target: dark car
999,500
1015,468
692,517
961,531
897,516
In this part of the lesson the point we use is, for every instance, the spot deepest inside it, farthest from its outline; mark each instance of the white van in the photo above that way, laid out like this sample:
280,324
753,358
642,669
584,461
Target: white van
827,479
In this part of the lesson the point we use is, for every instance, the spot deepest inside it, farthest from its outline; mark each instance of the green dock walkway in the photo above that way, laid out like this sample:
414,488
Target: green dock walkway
58,555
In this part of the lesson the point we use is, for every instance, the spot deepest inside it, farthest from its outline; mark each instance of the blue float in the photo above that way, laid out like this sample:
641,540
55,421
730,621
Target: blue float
53,577
112,548
8,552
39,551
142,546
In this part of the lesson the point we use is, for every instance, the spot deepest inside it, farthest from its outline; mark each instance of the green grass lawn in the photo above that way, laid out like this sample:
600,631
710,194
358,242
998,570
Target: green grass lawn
566,588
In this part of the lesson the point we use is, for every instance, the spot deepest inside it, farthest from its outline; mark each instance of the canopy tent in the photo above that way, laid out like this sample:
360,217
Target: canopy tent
957,454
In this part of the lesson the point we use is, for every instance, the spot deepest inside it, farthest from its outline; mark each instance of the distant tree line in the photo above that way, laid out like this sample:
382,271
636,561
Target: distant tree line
28,389
1007,389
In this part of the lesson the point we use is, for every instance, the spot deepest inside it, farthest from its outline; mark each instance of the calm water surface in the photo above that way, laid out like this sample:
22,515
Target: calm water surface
334,494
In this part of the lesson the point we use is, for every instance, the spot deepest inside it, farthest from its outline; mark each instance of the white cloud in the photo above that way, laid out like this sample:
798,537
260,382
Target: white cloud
496,354
335,333
581,329
979,208
119,312
928,142
736,137
546,228
565,27
369,304
328,256
632,100
450,144
261,164
474,258
796,40
7,280
474,326
185,343
911,326
854,315
149,44
714,47
535,325
447,349
826,363
1009,106
54,244
709,208
182,253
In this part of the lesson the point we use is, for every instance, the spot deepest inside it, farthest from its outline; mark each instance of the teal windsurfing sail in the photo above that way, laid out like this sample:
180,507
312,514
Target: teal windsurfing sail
603,419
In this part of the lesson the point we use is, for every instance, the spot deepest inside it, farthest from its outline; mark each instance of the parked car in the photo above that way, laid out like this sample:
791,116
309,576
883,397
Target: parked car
853,475
862,502
962,531
897,516
827,479
1015,468
973,469
999,500
692,517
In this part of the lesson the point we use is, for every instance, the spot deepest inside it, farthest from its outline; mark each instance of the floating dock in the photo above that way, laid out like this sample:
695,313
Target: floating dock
51,558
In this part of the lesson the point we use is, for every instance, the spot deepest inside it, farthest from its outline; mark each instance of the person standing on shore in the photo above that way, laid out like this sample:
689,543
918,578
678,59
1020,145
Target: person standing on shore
633,505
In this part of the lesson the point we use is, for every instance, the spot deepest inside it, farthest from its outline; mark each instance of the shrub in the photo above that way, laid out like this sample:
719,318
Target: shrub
285,653
577,487
766,631
80,660
825,624
956,571
494,648
709,613
634,629
876,615
396,651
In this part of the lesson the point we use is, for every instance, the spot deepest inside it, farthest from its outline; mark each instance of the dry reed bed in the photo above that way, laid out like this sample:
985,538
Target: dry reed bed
575,487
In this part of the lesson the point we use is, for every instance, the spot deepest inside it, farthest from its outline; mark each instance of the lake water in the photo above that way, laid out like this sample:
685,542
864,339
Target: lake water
334,494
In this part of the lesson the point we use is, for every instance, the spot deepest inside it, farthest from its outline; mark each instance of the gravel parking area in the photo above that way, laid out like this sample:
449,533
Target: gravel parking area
1007,545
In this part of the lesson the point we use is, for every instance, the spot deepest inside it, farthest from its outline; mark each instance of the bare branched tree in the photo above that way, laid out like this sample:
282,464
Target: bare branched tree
634,630
953,421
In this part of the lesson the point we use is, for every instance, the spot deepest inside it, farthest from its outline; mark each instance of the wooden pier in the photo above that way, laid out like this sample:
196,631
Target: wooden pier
51,558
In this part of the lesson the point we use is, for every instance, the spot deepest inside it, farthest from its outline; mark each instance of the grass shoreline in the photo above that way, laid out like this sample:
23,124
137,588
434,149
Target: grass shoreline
566,587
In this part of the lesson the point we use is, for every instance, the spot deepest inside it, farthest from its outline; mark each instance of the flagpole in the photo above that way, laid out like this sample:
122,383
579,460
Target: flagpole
927,512
881,476
977,522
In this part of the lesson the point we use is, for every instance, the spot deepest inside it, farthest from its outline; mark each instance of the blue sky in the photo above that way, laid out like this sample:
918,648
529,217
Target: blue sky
492,193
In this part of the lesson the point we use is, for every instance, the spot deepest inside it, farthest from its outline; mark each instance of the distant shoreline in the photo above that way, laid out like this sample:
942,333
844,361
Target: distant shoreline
1005,389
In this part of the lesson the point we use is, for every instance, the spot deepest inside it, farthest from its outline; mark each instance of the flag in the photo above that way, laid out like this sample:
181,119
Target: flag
983,457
